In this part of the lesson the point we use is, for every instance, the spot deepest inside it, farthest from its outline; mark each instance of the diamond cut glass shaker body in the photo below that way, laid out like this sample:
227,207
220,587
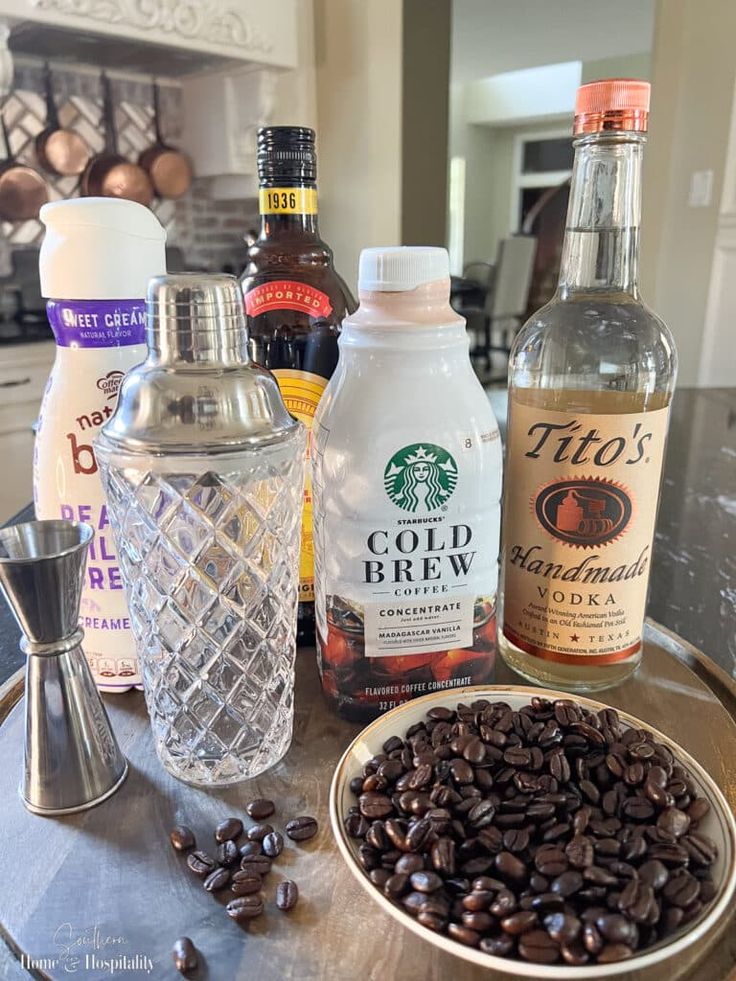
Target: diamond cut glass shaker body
203,471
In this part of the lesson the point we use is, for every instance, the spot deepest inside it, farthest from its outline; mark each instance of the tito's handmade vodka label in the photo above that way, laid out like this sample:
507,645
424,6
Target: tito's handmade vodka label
579,530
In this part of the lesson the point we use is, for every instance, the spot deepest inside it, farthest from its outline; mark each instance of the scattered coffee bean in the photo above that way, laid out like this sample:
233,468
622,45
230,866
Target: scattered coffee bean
245,908
287,895
227,853
258,832
201,863
303,828
257,864
182,839
228,830
273,844
573,836
260,808
217,880
184,953
244,883
249,849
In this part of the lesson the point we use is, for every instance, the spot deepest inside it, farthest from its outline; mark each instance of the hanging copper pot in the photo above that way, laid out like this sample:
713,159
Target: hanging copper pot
168,168
22,189
60,150
110,175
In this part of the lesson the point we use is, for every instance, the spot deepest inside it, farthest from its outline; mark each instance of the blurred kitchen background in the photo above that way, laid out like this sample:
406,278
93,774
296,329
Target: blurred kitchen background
441,122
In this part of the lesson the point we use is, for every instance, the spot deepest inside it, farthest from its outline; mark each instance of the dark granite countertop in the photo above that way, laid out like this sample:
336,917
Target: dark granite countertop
693,588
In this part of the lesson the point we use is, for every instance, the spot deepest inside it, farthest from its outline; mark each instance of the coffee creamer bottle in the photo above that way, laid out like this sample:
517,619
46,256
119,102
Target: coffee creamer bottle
96,259
407,484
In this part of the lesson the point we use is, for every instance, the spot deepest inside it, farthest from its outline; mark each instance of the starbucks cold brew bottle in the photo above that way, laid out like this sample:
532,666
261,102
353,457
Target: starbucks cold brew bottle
407,487
590,381
294,301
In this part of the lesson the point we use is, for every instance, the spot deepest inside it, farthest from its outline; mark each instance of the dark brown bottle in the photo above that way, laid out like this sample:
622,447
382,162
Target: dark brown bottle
294,301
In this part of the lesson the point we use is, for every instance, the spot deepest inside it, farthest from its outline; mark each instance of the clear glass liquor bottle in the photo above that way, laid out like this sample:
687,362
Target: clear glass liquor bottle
595,350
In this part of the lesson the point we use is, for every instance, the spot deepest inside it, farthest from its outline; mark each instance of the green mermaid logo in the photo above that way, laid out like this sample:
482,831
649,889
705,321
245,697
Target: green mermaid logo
420,477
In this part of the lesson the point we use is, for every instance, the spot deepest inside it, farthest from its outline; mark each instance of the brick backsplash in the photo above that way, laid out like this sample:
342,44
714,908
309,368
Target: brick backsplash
208,232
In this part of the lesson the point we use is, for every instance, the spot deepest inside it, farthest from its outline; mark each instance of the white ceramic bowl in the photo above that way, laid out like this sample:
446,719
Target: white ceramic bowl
718,824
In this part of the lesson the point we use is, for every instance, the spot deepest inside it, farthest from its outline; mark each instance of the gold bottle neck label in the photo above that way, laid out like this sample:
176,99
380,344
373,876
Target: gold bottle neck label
287,200
580,508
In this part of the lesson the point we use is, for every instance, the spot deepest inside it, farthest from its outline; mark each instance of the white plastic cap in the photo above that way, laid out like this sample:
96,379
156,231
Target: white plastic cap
401,268
100,249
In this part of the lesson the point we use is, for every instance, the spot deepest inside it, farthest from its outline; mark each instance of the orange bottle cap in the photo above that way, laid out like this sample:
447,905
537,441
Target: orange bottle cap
612,104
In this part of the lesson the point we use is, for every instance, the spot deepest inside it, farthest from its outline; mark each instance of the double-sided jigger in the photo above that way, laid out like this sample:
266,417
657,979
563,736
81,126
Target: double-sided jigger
72,759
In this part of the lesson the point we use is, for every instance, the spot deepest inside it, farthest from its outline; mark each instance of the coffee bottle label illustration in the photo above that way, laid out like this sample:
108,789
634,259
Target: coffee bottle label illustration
408,602
579,531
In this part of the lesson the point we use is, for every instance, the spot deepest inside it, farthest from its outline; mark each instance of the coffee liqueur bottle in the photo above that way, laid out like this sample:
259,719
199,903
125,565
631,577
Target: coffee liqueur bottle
294,301
591,376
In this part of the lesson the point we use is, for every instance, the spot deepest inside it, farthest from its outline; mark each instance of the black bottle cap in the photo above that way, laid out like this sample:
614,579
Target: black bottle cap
286,154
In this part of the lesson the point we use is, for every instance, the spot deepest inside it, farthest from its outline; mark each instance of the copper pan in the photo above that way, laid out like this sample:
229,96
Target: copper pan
22,189
60,150
168,168
110,175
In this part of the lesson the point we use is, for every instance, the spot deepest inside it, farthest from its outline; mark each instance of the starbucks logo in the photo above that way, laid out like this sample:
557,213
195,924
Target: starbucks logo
420,477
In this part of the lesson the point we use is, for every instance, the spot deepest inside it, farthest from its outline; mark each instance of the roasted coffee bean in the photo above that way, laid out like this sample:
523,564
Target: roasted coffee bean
374,805
228,830
673,821
633,849
567,883
592,940
563,928
475,751
376,837
616,929
201,863
443,856
257,864
273,844
637,808
516,840
396,885
654,874
701,850
260,808
671,855
182,839
356,826
287,895
510,867
217,880
504,903
244,883
500,946
579,852
425,881
409,863
258,832
481,814
697,810
462,934
546,902
519,922
250,848
227,853
478,921
599,876
356,786
682,890
551,860
637,900
302,828
614,952
245,907
478,899
538,947
184,953
432,920
574,954
379,877
419,835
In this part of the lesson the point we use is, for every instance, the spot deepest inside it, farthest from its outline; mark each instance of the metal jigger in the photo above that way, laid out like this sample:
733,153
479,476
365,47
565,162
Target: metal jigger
72,759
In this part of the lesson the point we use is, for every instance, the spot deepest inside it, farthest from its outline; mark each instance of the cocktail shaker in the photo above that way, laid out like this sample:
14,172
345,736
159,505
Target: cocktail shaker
203,470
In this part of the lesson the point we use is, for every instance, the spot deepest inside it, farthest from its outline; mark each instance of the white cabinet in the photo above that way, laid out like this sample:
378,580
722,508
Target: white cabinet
24,370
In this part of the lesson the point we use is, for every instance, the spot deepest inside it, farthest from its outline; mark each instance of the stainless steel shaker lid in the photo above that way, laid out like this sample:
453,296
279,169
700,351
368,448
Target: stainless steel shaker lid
198,391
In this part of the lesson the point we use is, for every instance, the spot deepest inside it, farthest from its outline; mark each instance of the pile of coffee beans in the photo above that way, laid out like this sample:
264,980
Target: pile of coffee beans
242,861
550,833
